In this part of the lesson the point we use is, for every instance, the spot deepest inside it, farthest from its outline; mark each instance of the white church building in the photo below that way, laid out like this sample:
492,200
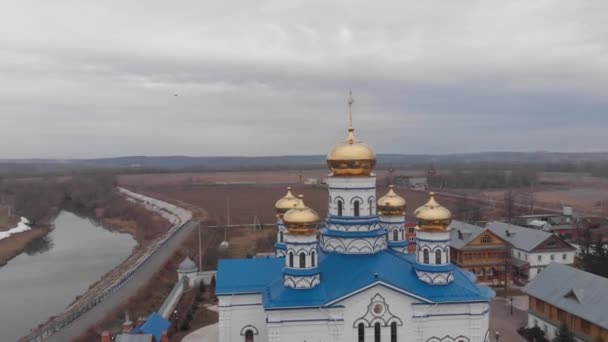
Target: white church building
350,278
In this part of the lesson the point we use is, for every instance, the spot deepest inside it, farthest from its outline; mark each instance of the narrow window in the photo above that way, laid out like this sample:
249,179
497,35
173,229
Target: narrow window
361,332
290,259
356,209
302,260
339,207
377,332
249,336
313,262
425,256
280,236
394,332
371,204
437,257
395,235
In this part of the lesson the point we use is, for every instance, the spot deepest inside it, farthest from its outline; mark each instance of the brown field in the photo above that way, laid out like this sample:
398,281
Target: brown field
258,177
248,201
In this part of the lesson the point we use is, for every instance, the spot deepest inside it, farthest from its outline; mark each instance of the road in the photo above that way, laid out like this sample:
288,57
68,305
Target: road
141,277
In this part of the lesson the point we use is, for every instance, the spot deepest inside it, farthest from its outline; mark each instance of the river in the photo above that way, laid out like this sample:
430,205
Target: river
46,278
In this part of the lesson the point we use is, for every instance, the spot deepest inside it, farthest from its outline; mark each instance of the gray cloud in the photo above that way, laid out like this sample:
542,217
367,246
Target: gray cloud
82,79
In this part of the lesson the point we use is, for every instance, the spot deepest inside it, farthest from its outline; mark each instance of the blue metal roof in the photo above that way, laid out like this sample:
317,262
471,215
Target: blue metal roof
398,243
343,275
155,325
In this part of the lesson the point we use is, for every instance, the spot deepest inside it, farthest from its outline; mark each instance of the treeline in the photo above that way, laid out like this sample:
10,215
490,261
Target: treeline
94,196
483,178
594,253
41,199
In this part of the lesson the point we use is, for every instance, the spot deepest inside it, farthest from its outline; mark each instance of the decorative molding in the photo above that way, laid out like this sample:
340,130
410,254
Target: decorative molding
354,245
249,327
303,282
448,338
435,278
377,312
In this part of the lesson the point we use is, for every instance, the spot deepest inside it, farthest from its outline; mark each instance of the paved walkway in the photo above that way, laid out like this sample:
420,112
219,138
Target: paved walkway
140,278
506,324
208,333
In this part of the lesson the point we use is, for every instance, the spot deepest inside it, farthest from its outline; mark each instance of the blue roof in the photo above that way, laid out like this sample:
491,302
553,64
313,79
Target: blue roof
247,275
155,325
341,276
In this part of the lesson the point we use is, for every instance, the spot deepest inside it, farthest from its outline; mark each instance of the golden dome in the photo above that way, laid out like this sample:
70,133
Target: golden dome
351,157
285,203
391,203
432,215
301,219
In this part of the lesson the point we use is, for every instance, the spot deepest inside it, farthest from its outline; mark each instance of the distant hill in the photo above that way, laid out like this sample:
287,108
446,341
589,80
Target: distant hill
384,160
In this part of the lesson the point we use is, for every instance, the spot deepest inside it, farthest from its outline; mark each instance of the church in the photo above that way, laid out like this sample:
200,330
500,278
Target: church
350,277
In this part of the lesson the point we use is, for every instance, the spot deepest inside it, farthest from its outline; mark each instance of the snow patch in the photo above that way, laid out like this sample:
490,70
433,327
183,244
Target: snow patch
22,226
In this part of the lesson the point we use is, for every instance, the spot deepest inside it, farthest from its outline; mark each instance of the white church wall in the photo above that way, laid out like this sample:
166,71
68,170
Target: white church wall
238,314
356,311
349,190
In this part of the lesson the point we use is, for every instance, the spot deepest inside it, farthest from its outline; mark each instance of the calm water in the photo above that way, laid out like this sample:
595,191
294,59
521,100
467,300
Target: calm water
47,277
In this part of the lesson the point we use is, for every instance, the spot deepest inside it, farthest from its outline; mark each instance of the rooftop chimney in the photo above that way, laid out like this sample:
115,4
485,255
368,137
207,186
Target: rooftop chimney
105,337
140,320
127,326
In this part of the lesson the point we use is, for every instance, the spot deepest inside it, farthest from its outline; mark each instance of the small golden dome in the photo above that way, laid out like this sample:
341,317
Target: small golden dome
391,203
432,215
301,219
285,203
351,157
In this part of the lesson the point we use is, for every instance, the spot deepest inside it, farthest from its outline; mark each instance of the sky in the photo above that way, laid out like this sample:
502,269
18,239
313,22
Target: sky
88,79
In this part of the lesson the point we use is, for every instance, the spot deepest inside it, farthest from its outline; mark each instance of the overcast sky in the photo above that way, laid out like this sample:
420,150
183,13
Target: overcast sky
99,78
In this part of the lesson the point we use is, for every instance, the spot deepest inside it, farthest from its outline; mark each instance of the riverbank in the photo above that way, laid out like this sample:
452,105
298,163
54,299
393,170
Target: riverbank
53,269
18,243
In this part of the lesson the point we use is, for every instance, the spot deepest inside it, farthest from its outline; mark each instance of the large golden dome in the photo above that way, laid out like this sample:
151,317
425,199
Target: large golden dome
351,157
432,215
391,203
285,203
301,219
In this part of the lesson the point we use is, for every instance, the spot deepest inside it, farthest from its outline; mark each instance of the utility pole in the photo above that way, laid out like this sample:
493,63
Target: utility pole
200,249
507,257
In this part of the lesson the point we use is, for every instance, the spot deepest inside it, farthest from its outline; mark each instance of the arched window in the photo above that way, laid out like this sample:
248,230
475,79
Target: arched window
356,208
437,257
425,256
361,332
395,235
302,260
377,332
394,332
313,262
340,207
402,234
290,259
249,336
371,205
280,236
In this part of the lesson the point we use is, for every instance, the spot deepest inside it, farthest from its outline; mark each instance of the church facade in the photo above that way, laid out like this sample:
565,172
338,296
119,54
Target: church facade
350,276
